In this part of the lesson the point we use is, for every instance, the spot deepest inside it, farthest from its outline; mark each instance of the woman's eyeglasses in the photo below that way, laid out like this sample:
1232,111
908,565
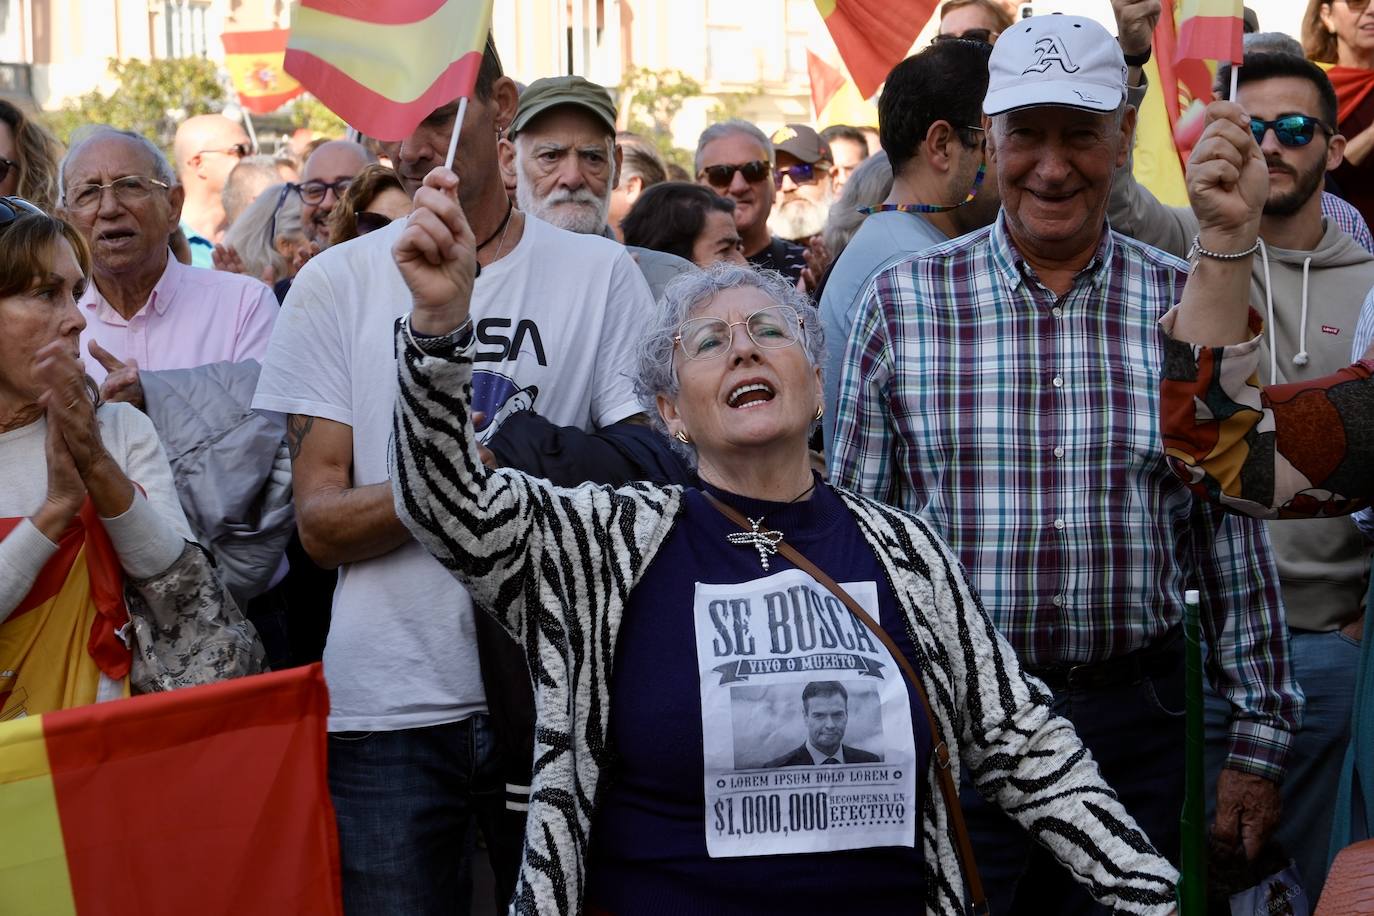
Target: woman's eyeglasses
131,189
11,208
1289,130
370,222
720,176
771,328
1356,6
986,36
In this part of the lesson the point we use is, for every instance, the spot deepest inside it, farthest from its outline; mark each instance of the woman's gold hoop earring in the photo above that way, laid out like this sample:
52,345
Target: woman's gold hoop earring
682,437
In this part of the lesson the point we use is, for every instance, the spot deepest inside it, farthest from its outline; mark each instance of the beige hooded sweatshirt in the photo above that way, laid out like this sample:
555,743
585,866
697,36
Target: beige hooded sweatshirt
1310,302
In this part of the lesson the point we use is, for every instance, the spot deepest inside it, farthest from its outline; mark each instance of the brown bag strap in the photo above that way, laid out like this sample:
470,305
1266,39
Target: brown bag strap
941,750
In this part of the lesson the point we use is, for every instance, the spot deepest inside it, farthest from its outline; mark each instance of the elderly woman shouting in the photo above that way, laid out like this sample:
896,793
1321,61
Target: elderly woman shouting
88,500
718,728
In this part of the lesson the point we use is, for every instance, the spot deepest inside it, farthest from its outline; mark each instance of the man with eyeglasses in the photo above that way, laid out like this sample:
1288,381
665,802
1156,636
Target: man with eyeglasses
327,174
144,309
1005,387
207,147
931,122
1308,279
735,159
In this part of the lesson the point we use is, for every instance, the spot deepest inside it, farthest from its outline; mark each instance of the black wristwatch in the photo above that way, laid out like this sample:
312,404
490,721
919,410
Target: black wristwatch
1138,60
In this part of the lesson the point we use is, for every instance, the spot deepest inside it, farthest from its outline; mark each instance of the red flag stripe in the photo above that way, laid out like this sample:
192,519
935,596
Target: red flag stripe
270,41
266,104
375,114
1211,38
208,797
392,12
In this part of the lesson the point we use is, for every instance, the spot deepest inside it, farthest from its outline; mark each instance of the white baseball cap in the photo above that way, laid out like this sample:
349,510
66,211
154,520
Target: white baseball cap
1055,60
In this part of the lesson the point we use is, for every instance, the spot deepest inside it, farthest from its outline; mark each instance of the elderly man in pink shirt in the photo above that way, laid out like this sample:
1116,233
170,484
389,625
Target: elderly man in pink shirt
143,308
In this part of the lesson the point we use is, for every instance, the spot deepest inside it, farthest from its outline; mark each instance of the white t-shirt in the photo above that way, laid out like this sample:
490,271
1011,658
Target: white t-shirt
557,321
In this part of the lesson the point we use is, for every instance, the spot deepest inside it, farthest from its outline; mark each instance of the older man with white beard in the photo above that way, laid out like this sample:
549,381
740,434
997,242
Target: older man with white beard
803,180
562,152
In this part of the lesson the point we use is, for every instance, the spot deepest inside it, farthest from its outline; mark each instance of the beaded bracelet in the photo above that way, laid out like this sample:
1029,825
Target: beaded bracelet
1197,250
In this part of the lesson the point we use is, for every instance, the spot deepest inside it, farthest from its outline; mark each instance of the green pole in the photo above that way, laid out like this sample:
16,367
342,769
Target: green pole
1192,887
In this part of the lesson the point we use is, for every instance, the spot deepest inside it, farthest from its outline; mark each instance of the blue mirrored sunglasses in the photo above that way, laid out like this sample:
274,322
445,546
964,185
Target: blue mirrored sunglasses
1290,130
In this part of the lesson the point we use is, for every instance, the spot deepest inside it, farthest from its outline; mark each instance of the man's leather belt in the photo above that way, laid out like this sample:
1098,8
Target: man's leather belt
1131,668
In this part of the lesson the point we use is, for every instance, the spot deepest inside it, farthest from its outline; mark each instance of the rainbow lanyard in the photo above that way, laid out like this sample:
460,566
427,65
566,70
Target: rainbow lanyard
930,208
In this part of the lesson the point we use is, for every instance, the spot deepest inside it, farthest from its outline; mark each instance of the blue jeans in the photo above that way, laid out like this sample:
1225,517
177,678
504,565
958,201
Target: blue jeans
1135,733
1324,665
405,802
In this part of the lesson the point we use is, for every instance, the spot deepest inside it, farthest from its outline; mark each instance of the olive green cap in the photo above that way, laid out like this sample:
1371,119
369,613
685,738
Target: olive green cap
552,91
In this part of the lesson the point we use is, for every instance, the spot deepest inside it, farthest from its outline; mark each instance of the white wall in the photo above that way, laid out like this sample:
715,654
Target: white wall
1274,15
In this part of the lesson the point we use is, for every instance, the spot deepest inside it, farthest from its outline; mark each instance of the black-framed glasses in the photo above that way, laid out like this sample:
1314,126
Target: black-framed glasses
312,192
720,176
1356,6
986,36
801,173
770,328
1290,130
238,151
370,222
131,189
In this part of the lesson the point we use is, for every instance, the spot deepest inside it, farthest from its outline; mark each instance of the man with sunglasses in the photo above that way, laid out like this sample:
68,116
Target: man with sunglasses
327,174
735,159
1308,279
1004,386
206,147
802,179
931,119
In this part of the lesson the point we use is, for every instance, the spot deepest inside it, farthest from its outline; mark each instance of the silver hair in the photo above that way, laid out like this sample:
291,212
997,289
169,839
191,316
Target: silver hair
251,234
83,136
868,186
730,128
693,289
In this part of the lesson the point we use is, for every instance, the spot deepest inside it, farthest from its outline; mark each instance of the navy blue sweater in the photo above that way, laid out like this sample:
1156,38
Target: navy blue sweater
649,841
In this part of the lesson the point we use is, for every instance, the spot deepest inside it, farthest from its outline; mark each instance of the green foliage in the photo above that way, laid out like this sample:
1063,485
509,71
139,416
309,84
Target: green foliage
152,98
312,114
654,99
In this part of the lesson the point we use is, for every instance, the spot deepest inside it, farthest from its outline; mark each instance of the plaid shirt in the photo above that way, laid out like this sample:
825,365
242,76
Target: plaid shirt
1025,427
1347,219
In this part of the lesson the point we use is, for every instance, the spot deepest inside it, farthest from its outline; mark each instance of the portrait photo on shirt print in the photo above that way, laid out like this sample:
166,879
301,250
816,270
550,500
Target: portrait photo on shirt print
773,725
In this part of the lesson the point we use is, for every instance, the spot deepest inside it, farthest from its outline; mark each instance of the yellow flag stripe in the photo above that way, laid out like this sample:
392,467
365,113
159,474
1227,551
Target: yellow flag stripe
1232,8
33,859
396,61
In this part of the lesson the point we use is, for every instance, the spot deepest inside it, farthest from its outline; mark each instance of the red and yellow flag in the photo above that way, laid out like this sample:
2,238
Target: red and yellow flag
210,800
383,67
1211,30
256,65
873,36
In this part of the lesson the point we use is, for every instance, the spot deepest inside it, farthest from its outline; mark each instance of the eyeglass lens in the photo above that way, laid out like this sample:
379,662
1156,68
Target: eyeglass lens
720,176
312,192
1293,130
770,328
800,174
127,190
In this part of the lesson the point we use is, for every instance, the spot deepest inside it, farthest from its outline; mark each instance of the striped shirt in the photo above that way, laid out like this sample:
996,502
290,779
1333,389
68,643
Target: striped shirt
1025,427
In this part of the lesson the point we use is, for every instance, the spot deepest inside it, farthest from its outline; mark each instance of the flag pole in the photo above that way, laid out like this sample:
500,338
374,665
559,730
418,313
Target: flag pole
1235,80
1192,886
248,123
457,129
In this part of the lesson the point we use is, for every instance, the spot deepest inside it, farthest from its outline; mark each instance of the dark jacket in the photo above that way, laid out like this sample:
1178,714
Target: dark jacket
801,757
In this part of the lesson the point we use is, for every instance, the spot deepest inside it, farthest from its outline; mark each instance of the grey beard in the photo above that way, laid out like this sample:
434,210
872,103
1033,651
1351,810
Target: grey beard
587,218
798,219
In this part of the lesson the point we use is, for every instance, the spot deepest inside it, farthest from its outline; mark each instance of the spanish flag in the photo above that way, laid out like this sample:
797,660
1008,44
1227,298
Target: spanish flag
1211,30
257,69
210,800
383,67
873,36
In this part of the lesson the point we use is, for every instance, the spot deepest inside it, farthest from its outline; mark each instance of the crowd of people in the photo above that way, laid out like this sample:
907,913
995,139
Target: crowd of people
555,459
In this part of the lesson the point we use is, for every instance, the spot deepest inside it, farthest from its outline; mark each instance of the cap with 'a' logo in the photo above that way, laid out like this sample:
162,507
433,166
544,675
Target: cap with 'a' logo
1055,60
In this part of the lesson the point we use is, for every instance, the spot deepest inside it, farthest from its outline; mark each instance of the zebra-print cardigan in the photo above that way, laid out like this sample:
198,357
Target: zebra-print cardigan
556,567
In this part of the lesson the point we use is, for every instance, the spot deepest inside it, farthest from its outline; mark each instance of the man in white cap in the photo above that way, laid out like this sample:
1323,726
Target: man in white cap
1029,437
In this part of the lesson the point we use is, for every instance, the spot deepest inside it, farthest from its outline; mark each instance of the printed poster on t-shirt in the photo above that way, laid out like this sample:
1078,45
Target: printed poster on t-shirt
806,723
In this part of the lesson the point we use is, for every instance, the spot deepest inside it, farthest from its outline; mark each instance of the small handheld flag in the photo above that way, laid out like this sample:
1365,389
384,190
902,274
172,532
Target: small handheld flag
255,61
384,67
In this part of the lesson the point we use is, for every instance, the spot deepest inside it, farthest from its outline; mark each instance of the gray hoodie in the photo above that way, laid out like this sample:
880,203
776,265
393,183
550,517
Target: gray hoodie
1310,302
